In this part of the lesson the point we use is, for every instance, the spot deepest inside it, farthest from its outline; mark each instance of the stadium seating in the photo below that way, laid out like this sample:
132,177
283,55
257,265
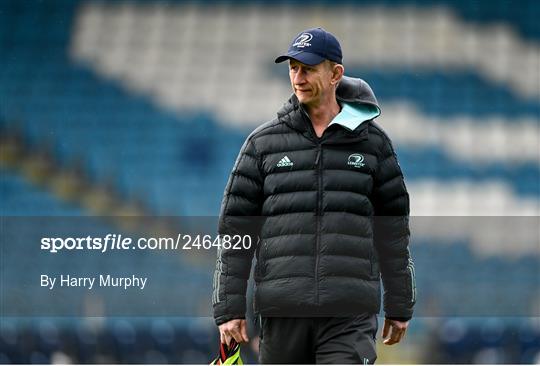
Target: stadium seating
21,198
435,95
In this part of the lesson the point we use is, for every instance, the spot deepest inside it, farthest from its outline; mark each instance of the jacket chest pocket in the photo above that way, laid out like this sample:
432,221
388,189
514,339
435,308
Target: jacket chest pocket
374,264
261,263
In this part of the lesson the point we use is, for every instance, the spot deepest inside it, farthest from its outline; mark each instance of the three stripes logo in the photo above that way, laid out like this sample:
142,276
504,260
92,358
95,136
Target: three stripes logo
410,268
285,162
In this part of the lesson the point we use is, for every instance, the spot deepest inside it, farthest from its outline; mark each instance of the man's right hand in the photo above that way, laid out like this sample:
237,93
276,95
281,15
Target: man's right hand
236,329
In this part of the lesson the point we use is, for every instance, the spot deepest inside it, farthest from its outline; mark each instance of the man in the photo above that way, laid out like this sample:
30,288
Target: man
321,186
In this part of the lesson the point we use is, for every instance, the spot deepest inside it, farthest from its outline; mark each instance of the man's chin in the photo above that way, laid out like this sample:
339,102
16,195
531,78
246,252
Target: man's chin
302,98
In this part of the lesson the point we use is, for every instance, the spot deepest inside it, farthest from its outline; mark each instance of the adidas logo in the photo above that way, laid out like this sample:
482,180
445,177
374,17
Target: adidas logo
284,162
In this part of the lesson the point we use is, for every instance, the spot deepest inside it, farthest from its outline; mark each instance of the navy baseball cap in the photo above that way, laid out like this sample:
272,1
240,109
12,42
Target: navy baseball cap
313,46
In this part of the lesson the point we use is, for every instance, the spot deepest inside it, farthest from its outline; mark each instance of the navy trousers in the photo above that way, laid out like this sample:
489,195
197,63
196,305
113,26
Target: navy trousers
318,340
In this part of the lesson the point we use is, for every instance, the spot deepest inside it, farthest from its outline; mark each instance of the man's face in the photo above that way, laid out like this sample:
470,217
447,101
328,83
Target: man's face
311,84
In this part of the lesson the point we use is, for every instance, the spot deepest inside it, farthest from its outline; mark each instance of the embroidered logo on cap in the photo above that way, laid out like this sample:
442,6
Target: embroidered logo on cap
303,40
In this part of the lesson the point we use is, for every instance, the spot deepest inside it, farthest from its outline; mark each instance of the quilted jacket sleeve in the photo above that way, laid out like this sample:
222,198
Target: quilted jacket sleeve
391,235
240,215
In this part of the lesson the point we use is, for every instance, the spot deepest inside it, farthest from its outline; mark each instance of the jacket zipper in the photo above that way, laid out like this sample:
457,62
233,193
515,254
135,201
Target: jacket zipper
318,162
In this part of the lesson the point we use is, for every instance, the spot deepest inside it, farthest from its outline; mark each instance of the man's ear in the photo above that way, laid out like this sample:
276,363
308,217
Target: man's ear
337,73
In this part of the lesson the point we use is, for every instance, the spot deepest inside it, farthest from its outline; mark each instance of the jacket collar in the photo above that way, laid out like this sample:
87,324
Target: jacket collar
353,115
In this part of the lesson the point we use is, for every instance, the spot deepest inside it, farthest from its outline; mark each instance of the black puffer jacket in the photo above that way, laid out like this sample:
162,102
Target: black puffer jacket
332,215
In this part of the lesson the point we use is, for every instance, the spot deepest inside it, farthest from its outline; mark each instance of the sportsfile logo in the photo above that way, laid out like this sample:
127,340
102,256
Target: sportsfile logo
356,160
303,40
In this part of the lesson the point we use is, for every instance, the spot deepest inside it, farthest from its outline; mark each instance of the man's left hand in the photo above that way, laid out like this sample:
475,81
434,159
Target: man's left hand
393,331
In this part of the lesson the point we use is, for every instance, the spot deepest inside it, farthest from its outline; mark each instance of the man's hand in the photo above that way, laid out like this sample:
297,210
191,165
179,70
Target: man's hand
395,329
236,329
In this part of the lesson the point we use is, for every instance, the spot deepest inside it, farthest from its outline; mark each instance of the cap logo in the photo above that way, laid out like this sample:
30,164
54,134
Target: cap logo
303,40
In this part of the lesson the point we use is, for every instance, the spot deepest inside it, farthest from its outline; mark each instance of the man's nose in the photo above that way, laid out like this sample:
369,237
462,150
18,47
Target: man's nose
299,77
